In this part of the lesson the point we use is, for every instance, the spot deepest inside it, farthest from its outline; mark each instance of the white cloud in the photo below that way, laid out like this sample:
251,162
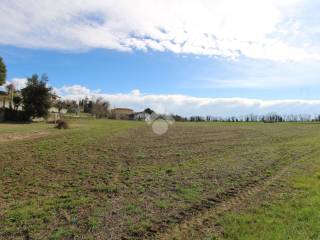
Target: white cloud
259,83
188,105
260,29
251,74
18,83
75,89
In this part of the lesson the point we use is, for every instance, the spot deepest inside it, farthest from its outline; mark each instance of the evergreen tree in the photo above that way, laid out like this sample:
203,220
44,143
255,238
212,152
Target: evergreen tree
36,97
3,72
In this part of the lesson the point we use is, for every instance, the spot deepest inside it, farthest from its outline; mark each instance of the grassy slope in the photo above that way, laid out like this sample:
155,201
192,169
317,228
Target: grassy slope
99,180
294,214
287,209
41,178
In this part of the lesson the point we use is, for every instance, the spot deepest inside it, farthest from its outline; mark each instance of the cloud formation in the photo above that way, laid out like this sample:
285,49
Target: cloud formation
188,105
18,83
258,29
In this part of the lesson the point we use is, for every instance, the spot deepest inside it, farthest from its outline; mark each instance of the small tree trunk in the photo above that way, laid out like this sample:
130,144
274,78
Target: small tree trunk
11,100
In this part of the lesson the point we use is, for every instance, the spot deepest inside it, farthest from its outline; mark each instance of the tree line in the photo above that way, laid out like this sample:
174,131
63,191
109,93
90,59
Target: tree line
98,108
36,99
271,117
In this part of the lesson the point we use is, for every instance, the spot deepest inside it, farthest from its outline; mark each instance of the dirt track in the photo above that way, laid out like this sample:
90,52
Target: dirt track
235,199
9,137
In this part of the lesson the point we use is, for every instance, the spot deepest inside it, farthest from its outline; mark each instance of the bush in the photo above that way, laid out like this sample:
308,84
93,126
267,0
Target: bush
1,115
15,116
62,124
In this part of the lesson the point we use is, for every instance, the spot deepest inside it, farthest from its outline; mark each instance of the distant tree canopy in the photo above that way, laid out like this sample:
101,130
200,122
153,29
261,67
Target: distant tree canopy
36,96
60,105
86,105
17,101
101,108
72,106
178,118
3,72
148,111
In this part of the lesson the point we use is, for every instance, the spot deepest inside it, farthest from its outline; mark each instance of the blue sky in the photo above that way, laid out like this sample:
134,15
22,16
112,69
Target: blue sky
154,72
225,57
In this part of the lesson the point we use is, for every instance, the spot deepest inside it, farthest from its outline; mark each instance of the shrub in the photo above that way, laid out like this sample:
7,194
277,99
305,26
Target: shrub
15,116
62,124
2,115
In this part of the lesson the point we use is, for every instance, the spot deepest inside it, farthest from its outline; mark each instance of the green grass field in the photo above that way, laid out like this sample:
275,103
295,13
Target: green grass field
104,179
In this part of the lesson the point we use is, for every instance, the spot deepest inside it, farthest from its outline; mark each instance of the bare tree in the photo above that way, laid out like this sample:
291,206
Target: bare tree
10,89
100,108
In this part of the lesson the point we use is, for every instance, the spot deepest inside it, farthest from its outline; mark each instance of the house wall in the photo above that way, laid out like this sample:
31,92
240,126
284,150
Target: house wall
56,110
121,113
140,116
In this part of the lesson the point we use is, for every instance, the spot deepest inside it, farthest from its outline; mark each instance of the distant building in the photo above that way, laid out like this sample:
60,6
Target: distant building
121,113
54,112
139,116
54,102
6,99
3,99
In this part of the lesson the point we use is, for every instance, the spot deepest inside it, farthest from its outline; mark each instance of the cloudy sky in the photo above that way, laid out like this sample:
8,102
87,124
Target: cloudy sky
208,57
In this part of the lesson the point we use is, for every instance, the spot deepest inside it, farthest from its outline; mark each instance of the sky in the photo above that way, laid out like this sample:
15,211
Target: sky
189,57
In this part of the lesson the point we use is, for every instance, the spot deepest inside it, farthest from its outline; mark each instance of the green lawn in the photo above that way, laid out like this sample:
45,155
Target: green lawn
105,179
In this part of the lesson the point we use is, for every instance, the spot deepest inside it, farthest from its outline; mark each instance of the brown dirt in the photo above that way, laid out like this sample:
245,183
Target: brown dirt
233,200
8,137
195,170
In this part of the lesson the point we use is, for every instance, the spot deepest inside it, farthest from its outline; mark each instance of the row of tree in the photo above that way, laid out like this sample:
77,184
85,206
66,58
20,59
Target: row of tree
37,98
98,108
271,117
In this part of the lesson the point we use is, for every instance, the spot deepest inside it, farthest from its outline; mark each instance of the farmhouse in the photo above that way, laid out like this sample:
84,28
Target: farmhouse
3,97
55,111
6,99
55,108
121,113
139,116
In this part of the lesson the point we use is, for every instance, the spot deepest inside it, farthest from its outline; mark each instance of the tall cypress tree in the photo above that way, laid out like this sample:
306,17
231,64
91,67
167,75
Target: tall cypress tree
3,72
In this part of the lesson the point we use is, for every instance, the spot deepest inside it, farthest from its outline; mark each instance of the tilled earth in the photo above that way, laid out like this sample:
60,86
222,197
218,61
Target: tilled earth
137,185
